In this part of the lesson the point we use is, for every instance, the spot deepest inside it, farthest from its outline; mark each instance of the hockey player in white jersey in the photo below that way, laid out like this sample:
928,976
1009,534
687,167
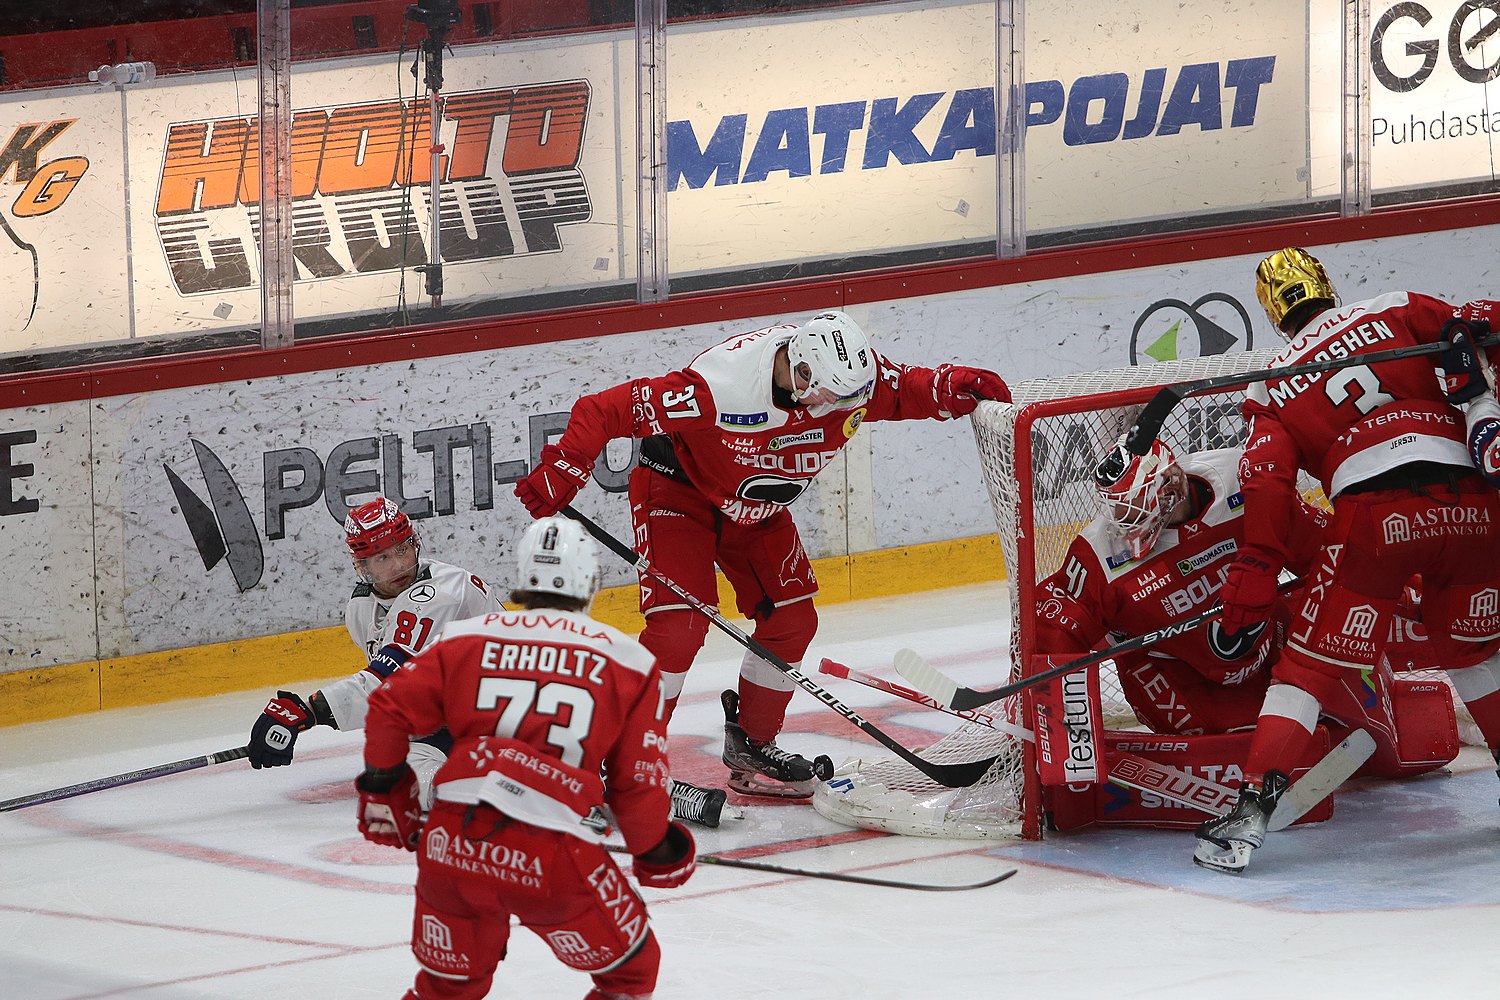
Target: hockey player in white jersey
399,608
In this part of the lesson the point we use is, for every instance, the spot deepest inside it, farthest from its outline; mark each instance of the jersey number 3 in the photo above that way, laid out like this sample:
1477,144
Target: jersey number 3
523,697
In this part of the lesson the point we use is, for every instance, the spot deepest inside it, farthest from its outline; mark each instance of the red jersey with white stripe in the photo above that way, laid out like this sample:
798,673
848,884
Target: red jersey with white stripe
572,689
1101,593
1351,424
738,439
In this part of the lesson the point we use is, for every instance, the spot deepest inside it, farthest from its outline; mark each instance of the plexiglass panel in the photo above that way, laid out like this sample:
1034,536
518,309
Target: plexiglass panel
104,251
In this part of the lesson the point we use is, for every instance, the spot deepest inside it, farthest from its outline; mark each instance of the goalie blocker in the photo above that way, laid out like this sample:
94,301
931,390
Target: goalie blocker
1077,757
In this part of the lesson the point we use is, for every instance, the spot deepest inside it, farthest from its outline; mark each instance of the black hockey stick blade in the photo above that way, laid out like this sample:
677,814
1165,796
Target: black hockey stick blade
888,883
959,775
1148,424
128,778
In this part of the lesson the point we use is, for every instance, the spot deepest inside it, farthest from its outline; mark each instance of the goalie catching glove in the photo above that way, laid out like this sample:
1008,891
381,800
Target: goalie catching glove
671,862
554,482
959,389
389,810
1248,594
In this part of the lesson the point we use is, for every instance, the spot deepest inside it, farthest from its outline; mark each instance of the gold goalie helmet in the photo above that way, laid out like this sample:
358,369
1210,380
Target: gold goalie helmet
1287,282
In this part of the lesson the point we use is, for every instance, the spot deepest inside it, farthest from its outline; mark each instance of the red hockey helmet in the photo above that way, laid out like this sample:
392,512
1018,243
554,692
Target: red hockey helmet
376,526
1131,496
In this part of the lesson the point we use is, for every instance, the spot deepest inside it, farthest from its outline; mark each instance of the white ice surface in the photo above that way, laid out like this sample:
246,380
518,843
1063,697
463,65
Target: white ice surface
225,882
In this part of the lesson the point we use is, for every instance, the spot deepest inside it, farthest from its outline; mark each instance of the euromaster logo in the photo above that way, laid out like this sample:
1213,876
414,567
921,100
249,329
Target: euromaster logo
1170,329
360,184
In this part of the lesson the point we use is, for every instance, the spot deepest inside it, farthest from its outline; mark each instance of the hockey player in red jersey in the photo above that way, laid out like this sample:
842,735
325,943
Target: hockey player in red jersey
1158,552
1391,453
730,442
540,702
398,608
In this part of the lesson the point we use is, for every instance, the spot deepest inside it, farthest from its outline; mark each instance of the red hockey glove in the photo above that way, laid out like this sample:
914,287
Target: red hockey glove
554,482
671,862
1462,366
275,732
1248,594
389,812
959,389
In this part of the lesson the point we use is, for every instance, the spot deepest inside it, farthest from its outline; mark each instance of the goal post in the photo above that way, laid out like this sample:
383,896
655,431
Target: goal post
1038,454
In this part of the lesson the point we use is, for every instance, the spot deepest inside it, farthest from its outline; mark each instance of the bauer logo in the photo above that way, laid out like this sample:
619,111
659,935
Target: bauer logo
361,186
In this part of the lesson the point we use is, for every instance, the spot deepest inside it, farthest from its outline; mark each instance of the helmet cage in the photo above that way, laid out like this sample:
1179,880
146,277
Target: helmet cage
833,367
1131,500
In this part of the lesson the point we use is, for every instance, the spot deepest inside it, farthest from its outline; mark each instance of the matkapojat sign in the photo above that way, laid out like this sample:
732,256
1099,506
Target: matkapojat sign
828,133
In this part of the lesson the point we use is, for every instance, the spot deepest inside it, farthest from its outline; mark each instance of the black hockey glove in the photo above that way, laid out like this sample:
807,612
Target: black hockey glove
1462,366
275,732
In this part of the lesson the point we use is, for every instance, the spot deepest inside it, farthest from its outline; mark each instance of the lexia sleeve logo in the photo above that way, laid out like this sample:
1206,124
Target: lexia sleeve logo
360,177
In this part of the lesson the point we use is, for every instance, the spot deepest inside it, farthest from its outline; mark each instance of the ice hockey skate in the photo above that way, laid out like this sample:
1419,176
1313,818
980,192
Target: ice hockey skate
704,806
1225,843
764,768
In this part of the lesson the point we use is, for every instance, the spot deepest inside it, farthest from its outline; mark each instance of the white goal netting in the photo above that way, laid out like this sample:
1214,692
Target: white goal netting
1038,454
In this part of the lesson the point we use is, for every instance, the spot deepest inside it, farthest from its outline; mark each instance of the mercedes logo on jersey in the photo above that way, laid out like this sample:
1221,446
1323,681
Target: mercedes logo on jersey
1217,321
422,593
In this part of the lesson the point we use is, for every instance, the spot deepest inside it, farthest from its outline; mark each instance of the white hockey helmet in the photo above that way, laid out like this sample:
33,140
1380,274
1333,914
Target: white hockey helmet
557,556
833,367
1131,498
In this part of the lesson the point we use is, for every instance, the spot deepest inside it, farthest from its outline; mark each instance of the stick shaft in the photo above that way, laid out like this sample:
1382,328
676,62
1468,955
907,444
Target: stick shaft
128,778
951,775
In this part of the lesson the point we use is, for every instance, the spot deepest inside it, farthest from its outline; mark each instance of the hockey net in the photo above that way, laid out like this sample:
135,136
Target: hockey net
1038,455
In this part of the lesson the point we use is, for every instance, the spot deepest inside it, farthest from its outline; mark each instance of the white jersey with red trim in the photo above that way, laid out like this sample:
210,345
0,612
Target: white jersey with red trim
403,626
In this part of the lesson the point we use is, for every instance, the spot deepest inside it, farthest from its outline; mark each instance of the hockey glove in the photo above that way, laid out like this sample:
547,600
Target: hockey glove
959,389
1463,367
389,812
554,482
1248,594
275,732
671,862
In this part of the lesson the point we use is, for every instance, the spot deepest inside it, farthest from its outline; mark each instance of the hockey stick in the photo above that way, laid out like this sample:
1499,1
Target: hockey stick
944,689
128,778
1316,784
759,866
835,669
951,775
1148,424
1322,779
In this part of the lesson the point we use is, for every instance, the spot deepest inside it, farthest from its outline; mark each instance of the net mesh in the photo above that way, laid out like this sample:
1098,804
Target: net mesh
1038,454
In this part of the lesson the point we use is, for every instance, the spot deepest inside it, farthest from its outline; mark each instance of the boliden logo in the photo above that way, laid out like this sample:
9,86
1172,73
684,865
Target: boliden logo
867,135
360,176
